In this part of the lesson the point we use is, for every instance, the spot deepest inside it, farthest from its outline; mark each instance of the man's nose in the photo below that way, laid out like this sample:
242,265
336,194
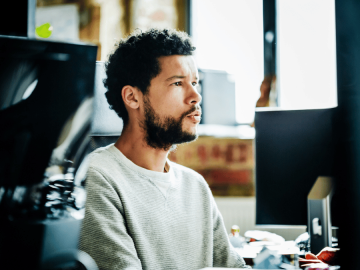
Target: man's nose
194,96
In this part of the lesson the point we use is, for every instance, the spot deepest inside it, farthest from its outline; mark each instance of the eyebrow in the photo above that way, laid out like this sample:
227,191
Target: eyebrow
177,77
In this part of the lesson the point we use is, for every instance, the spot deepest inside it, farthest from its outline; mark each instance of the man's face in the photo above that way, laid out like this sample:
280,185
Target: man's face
171,106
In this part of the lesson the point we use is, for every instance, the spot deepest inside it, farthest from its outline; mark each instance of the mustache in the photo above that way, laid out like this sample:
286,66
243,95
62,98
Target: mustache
193,109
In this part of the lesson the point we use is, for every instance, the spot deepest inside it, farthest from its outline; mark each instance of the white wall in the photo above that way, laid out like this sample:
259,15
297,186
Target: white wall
241,211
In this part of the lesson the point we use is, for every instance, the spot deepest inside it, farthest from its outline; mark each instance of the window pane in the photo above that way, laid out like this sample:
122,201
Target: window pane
306,51
228,35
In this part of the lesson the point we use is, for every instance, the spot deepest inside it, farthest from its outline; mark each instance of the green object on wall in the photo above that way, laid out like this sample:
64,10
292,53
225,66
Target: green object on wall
44,30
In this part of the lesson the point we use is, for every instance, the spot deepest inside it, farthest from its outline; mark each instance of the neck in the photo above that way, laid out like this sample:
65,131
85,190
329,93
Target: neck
133,145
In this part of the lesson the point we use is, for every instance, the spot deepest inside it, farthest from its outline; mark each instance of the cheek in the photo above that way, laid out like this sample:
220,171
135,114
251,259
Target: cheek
171,105
172,110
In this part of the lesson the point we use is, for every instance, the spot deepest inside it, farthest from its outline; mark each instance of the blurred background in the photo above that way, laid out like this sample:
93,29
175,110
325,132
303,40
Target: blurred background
229,37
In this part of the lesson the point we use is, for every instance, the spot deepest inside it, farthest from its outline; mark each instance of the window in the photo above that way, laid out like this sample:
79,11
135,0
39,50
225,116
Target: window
228,36
306,54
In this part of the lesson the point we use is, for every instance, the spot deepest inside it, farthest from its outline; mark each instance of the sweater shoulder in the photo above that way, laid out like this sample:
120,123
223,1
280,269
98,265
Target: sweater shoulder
101,158
105,169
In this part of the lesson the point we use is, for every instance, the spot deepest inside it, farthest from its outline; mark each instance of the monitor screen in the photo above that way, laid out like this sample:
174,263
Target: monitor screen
293,148
46,92
42,84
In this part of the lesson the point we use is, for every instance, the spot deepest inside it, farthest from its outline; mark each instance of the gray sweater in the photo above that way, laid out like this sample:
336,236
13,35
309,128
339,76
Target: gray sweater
131,224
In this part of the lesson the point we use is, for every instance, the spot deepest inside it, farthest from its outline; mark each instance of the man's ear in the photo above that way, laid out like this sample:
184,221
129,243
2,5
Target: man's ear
130,96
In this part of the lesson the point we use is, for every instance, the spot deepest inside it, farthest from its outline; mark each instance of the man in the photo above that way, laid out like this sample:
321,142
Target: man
144,211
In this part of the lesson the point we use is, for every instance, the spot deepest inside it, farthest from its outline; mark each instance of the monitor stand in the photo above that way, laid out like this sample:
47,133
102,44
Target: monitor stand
319,219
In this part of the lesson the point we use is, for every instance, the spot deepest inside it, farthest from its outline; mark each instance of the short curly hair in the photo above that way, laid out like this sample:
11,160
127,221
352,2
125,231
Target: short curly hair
135,62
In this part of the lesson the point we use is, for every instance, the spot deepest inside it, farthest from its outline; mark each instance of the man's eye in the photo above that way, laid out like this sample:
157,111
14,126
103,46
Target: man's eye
177,84
194,83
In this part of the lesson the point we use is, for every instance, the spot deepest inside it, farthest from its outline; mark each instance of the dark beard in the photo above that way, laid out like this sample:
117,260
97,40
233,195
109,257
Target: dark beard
164,133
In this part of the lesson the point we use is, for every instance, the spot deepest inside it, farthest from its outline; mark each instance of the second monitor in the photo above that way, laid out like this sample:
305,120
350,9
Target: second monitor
293,148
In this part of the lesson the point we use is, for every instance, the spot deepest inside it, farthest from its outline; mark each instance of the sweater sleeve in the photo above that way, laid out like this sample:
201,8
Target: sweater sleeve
104,235
224,254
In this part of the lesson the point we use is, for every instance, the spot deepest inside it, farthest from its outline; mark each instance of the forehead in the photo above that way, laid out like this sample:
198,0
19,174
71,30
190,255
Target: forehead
183,65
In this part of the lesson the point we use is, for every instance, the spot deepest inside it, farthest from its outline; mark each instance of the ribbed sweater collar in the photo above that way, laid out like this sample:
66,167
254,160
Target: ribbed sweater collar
127,162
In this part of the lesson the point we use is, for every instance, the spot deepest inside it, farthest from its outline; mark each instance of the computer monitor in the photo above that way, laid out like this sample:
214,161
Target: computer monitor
293,148
46,92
